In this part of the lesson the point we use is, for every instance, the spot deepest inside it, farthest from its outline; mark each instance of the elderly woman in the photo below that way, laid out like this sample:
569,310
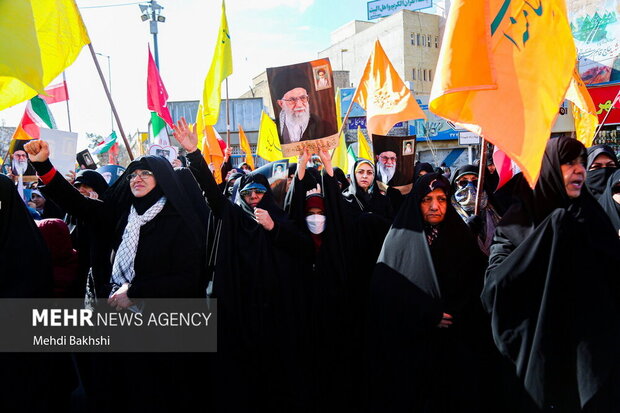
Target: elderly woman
429,344
552,290
152,230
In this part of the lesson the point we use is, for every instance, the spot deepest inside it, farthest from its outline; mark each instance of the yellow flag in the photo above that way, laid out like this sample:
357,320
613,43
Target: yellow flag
268,145
384,95
221,68
340,157
200,126
363,149
523,53
245,147
584,111
39,39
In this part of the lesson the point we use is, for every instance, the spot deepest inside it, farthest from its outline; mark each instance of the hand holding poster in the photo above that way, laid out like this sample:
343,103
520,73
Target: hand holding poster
303,101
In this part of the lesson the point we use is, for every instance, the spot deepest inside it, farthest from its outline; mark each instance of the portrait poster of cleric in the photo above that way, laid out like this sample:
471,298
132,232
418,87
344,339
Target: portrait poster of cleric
395,158
303,101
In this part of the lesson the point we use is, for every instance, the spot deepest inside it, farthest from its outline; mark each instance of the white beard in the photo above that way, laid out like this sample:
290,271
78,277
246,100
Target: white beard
386,173
20,166
296,123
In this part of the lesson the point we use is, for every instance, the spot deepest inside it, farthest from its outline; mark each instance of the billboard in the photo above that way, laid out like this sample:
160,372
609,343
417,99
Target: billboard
384,8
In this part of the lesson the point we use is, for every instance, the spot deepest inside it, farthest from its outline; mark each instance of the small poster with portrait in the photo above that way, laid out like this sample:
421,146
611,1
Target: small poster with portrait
168,152
303,100
394,158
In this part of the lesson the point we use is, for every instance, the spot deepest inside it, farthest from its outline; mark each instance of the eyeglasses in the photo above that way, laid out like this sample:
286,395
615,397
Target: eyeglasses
143,175
295,99
248,192
20,155
388,158
464,182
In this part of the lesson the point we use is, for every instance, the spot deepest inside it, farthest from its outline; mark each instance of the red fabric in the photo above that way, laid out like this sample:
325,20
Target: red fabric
64,258
156,95
56,93
605,102
315,202
504,167
47,178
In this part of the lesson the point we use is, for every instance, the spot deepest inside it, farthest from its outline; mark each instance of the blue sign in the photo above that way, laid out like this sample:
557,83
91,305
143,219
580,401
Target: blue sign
355,122
345,101
384,8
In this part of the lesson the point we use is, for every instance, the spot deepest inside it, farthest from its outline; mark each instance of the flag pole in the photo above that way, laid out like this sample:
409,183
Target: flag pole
481,173
107,92
344,121
64,81
227,118
605,118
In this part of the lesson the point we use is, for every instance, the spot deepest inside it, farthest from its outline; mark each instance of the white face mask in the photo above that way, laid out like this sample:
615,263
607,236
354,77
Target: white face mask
316,223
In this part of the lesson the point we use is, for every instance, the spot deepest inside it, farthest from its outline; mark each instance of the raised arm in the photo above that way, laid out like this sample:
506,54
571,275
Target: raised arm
57,187
189,141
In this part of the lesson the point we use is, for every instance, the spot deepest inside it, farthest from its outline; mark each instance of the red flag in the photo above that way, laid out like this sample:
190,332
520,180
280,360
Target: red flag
504,167
156,95
56,93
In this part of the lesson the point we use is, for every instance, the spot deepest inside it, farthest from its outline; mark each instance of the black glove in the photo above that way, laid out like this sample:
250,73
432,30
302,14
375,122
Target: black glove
474,222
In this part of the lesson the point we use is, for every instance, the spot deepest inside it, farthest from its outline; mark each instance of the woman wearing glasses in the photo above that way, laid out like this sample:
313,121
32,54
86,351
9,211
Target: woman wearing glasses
258,292
146,222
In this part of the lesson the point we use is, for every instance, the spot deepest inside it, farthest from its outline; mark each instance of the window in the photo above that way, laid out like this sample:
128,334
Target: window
436,42
430,75
428,43
424,75
418,37
413,39
423,38
413,74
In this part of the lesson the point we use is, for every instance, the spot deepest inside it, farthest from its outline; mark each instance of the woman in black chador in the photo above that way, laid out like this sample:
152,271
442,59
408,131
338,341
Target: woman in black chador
148,225
430,347
552,290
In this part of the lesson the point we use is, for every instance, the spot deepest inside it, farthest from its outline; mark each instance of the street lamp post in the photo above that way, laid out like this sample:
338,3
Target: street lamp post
152,12
110,86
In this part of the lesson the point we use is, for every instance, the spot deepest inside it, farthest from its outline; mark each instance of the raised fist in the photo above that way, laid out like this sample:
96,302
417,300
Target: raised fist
38,150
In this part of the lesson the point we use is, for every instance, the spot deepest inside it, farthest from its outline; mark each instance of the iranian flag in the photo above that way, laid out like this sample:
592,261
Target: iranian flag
37,115
159,133
105,145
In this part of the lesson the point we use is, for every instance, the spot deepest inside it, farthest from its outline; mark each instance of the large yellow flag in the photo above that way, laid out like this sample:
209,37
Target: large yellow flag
245,147
268,145
221,68
503,70
340,157
384,95
363,149
39,39
584,111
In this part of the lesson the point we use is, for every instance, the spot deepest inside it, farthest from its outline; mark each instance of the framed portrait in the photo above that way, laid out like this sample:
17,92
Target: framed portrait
305,114
408,147
393,161
85,160
322,77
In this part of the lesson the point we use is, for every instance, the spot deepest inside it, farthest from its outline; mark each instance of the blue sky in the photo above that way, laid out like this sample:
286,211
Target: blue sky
264,33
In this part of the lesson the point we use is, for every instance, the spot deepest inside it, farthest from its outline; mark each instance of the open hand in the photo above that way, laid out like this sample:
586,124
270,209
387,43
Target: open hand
186,137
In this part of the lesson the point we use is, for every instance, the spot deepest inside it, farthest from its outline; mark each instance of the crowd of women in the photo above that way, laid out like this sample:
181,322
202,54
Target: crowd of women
337,296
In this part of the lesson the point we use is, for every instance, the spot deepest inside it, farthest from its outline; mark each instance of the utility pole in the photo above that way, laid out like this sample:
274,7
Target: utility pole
152,12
